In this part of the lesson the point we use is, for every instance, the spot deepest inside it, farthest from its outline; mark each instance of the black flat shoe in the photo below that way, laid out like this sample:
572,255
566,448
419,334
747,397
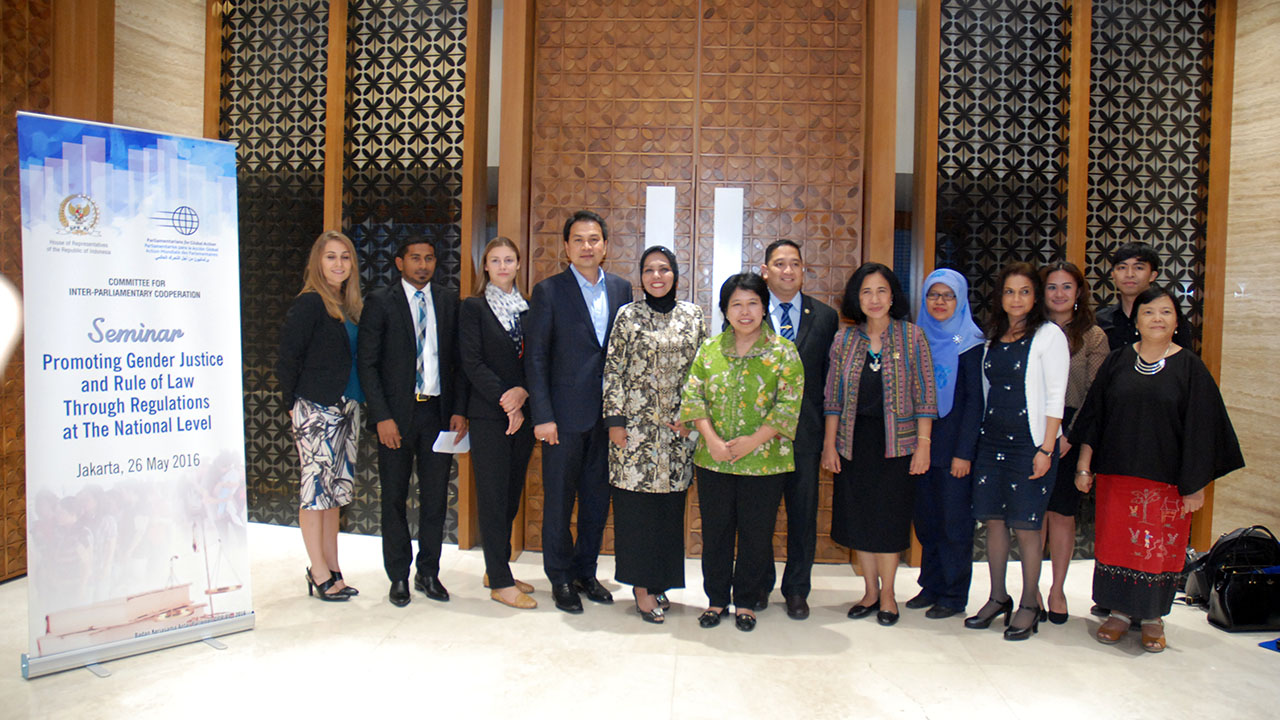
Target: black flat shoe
321,590
797,607
566,598
1056,618
348,590
745,622
399,594
431,587
711,618
1099,611
886,618
594,591
941,612
761,606
919,602
857,612
982,622
1017,633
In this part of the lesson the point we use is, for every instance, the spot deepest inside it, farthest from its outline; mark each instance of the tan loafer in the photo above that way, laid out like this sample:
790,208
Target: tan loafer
522,601
521,585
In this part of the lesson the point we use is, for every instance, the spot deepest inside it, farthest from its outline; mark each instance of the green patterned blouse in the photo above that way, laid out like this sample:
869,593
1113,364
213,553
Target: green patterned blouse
741,393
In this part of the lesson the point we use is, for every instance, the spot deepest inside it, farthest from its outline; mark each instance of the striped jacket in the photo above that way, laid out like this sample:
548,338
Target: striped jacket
909,392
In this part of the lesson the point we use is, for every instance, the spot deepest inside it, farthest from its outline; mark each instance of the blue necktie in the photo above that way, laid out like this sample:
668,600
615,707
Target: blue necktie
787,330
420,386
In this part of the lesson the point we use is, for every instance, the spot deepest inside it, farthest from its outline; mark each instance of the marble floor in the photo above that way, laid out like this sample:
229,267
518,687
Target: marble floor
475,658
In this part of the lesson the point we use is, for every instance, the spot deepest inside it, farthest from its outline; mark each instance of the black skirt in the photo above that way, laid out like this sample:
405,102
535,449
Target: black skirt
648,539
872,496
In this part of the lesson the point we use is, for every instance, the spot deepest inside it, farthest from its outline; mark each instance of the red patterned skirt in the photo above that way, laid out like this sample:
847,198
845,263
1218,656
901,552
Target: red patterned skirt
1141,545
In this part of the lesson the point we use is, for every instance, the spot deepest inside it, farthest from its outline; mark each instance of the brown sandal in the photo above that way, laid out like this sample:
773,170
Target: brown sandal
1153,642
1112,630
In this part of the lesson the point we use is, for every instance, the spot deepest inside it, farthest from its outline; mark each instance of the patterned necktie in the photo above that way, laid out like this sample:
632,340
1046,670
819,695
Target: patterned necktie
787,330
420,383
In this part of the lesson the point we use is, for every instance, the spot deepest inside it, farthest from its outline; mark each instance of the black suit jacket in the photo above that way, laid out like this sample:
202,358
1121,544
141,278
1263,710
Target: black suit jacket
564,362
387,355
490,358
818,325
315,353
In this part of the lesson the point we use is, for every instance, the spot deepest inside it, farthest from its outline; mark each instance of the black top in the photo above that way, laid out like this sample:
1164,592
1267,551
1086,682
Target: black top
490,358
1005,421
315,353
818,325
956,434
1121,331
871,390
1171,427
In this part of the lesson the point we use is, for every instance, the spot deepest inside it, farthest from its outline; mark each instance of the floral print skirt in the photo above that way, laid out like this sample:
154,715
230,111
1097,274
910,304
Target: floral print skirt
326,440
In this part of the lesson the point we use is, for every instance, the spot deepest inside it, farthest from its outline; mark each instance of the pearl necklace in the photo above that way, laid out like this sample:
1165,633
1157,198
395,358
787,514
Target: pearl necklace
1145,368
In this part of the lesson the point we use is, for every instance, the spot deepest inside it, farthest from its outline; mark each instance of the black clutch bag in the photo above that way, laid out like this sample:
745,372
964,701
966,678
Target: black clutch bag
1245,599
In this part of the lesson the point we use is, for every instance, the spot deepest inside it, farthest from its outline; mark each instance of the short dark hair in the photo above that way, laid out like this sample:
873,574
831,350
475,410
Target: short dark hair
403,247
586,215
782,242
1150,295
851,306
1139,250
999,318
748,281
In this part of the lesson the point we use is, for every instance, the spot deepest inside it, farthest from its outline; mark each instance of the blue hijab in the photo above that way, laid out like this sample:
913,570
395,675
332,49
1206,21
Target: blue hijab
948,339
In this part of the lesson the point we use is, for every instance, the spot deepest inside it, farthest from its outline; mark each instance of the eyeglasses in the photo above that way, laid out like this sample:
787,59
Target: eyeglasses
944,297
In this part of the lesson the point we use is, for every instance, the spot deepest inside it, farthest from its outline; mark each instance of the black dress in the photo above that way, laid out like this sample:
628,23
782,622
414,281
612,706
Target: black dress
872,496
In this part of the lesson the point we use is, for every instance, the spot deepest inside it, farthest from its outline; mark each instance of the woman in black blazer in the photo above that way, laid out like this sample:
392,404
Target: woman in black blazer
317,376
491,344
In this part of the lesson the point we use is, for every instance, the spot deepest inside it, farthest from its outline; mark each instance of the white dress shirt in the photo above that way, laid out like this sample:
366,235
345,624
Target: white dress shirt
430,343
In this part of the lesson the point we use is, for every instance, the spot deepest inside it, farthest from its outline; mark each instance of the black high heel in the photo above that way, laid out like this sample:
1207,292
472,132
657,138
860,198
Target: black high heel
663,601
348,590
1017,633
321,590
655,616
978,622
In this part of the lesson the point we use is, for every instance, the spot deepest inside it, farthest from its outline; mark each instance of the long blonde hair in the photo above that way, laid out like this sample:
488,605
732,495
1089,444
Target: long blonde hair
497,242
349,304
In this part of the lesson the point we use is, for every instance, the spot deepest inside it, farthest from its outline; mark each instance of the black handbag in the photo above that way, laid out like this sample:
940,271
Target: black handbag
1245,599
1254,546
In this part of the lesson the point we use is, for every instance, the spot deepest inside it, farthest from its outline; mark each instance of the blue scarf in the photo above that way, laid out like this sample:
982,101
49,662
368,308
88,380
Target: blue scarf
949,339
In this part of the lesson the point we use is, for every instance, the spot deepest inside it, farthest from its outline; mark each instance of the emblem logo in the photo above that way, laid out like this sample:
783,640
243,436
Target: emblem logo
184,219
79,215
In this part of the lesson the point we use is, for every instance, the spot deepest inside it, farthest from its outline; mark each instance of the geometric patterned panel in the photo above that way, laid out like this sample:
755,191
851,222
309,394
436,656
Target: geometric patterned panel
272,105
26,42
1002,136
1149,139
402,160
402,140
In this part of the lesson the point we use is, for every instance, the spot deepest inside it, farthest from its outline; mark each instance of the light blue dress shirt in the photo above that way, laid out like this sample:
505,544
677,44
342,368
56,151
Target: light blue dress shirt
597,302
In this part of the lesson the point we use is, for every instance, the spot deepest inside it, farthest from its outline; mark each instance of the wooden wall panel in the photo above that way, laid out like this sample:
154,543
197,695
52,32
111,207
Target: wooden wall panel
26,73
698,95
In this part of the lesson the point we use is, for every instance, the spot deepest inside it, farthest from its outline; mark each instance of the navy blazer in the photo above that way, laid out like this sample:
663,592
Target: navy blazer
818,325
490,358
956,435
314,361
387,355
563,360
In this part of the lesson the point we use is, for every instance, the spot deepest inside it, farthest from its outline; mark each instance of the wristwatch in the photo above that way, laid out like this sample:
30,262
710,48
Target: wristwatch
1048,453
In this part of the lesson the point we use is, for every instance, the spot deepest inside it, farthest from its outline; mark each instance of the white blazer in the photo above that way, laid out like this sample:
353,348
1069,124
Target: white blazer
1048,363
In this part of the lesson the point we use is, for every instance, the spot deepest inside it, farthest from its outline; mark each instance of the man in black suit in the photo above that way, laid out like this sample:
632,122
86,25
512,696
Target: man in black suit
407,358
811,324
570,315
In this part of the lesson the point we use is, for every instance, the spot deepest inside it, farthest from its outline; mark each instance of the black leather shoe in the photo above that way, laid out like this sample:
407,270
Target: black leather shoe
992,609
594,591
857,612
941,612
1013,632
761,605
1099,611
745,622
663,601
797,607
431,586
566,598
920,602
886,618
400,593
711,618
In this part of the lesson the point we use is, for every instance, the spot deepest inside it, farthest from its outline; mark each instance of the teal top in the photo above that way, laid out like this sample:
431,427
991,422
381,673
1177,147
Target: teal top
353,391
738,394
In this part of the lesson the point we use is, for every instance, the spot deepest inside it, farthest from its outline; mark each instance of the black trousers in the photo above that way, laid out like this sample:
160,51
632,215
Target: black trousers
741,509
800,495
394,469
575,470
500,462
944,526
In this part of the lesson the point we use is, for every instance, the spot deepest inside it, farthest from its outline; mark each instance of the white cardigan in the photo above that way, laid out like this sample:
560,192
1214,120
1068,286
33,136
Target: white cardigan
1048,363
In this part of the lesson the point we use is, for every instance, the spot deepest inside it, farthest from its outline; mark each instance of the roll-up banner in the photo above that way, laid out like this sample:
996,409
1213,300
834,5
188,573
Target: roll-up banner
136,514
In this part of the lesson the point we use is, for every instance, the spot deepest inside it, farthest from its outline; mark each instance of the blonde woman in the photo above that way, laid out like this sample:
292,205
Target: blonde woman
318,382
